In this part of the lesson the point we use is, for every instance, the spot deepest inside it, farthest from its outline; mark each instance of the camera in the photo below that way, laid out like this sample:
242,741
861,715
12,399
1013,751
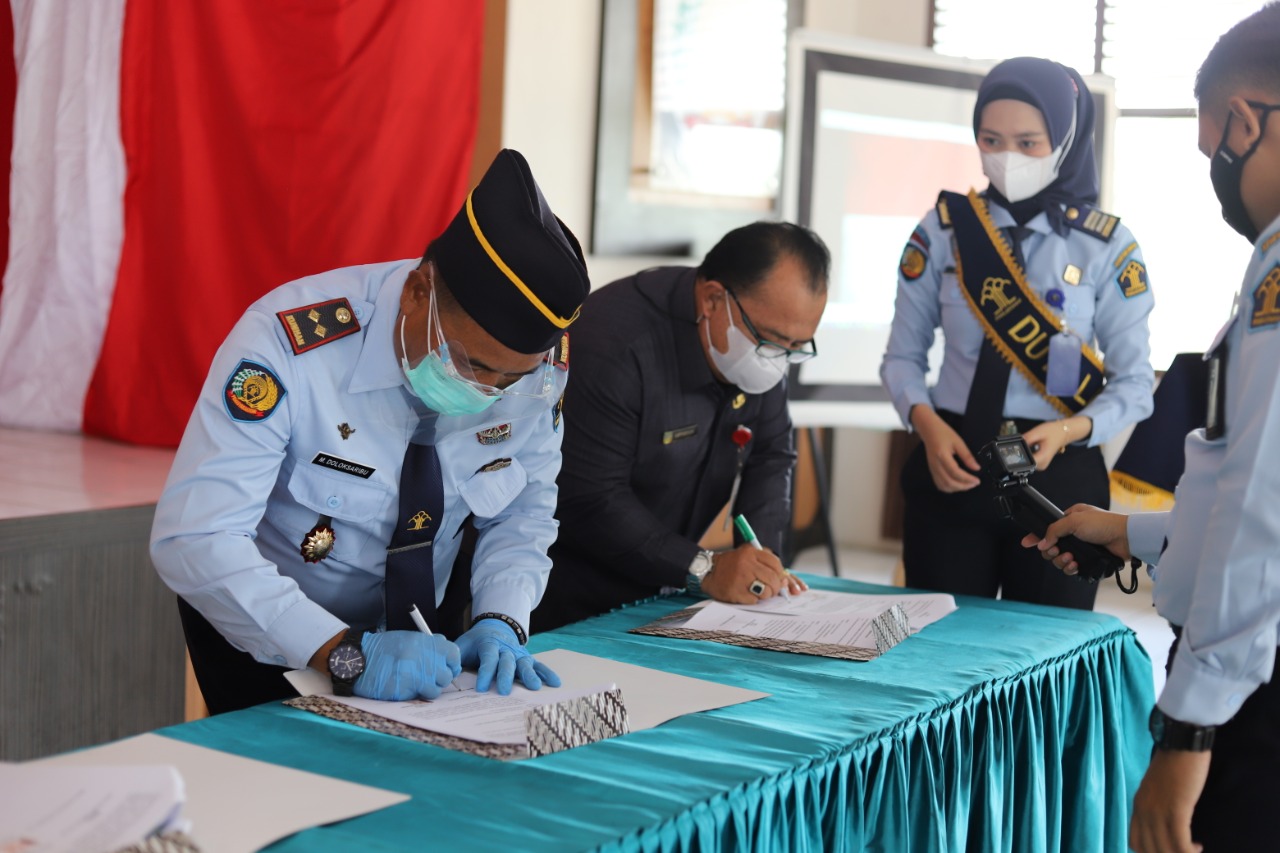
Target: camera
1008,464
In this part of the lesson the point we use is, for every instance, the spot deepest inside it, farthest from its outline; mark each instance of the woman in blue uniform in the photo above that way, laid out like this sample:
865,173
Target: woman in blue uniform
1032,286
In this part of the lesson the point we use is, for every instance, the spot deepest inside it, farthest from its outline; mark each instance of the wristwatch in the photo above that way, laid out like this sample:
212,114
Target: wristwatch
1175,734
703,563
346,662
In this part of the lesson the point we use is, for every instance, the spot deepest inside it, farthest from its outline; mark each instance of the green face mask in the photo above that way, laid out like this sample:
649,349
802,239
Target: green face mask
439,387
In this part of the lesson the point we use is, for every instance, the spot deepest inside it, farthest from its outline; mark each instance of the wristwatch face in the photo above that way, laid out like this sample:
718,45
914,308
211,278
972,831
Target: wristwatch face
346,662
701,565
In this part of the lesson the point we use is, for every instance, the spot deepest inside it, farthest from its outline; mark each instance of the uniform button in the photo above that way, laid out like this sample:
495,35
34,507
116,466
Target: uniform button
334,501
1233,701
359,312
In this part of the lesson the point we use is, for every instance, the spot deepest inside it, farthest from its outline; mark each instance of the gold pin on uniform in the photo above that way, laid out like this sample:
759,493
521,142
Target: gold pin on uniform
739,401
1071,275
345,430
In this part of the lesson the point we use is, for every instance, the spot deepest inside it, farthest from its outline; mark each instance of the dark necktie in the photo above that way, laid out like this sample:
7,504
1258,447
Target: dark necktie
410,576
984,409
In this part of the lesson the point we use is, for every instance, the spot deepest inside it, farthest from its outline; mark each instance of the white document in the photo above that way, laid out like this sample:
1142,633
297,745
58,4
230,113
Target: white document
234,804
86,809
921,609
651,696
818,616
463,712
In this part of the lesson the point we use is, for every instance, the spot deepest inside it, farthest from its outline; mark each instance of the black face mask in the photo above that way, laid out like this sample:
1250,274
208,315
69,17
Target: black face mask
1226,170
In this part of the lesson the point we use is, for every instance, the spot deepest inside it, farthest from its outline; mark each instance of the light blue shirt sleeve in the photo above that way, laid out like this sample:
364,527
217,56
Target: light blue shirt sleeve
917,314
203,536
1147,532
1229,636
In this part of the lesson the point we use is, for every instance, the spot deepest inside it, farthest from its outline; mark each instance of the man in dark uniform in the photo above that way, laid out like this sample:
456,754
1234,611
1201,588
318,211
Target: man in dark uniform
677,400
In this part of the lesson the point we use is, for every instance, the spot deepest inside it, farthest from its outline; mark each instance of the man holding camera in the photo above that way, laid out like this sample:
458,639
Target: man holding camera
1215,773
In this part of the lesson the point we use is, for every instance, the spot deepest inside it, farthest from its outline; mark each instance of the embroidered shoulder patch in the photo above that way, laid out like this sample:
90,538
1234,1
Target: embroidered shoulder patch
1132,280
1266,301
252,392
314,325
1092,221
913,262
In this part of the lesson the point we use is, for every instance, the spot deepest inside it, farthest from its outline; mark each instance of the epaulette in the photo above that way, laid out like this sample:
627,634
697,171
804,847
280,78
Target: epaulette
1265,245
944,215
1091,221
560,357
315,325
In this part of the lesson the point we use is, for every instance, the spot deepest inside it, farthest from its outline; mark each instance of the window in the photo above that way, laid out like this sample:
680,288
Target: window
1159,183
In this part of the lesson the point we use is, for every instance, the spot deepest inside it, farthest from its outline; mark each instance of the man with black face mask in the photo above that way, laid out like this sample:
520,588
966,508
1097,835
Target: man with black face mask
677,407
1214,777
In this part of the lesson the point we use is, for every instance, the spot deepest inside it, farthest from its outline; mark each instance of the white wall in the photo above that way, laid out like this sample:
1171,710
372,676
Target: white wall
549,114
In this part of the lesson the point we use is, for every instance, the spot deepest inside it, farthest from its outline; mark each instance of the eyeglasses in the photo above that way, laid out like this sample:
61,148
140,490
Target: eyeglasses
768,349
537,384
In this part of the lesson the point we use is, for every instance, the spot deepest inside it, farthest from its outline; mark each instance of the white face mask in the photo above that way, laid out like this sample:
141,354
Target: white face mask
1018,176
742,365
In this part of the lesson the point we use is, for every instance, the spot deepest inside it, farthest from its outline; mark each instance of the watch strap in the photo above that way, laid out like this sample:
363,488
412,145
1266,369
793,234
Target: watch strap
1175,734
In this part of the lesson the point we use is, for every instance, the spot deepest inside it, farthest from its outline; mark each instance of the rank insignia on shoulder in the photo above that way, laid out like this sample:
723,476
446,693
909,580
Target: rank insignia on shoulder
252,392
494,435
913,262
1132,280
314,325
495,465
1092,221
556,411
944,215
560,355
1266,301
1265,245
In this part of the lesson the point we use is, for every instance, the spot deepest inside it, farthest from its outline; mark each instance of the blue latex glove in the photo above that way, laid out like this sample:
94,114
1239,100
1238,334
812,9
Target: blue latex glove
493,649
403,665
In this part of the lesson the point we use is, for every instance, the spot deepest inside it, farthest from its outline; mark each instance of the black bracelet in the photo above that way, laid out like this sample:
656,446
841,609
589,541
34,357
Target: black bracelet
511,623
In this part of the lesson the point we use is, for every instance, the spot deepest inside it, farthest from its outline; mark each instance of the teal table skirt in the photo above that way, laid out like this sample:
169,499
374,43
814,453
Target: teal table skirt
1005,726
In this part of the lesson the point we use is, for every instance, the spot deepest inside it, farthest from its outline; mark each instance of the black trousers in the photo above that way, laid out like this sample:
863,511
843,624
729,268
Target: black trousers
958,543
232,680
1234,812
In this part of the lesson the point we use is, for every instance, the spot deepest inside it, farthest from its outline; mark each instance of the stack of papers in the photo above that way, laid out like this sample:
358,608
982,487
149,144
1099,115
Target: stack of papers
818,622
87,809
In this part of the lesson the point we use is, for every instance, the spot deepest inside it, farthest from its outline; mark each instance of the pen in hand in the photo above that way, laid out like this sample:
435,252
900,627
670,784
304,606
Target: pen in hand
749,536
416,616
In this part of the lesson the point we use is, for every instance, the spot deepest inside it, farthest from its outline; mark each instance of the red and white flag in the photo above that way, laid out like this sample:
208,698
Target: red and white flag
173,161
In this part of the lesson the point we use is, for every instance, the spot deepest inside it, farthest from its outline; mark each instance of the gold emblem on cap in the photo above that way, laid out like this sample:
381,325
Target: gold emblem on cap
343,315
1071,275
1072,213
739,401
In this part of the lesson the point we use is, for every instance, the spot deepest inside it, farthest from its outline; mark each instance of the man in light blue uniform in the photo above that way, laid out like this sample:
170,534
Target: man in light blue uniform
1215,773
287,495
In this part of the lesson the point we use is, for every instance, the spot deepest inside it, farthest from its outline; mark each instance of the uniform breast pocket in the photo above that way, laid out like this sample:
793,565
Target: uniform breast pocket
356,506
488,491
1078,303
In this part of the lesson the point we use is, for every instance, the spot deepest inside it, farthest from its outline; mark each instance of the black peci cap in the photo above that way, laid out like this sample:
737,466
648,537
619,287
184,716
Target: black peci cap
510,262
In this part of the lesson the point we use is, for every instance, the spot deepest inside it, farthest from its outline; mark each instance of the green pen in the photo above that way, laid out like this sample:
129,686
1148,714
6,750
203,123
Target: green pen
749,536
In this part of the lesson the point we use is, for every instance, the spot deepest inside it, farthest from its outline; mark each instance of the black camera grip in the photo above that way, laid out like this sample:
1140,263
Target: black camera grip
1034,512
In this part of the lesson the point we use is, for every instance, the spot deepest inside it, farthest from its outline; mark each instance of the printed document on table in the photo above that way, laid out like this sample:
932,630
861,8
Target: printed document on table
817,616
462,711
651,696
86,809
922,609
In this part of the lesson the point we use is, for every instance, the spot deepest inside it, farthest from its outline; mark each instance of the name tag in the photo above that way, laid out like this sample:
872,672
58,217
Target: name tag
677,434
344,466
